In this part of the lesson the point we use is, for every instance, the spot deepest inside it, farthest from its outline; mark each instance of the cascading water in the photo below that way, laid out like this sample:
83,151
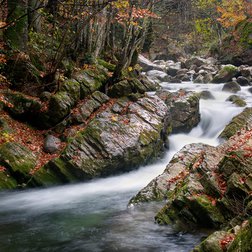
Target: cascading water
94,216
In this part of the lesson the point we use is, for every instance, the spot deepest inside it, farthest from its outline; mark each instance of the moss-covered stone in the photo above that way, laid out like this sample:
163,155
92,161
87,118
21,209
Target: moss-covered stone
225,74
72,87
59,107
237,123
212,243
22,105
90,81
109,66
238,101
18,161
6,181
243,240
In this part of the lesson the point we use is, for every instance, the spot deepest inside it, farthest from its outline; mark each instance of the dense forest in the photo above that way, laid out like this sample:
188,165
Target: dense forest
100,97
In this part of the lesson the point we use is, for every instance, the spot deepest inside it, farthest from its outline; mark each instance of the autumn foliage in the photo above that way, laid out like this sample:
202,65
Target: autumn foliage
234,12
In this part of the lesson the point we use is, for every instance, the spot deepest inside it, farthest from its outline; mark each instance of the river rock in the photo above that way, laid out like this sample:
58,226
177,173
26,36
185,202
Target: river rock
127,87
237,123
206,95
51,144
235,99
243,81
199,79
147,65
122,137
18,161
232,87
160,75
204,185
183,107
226,74
197,61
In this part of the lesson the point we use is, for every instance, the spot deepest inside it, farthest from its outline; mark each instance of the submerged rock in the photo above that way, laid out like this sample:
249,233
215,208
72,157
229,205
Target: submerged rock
235,99
232,87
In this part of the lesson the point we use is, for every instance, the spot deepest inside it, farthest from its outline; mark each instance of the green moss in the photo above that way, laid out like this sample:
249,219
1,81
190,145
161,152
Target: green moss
243,240
6,181
18,160
72,87
109,66
237,123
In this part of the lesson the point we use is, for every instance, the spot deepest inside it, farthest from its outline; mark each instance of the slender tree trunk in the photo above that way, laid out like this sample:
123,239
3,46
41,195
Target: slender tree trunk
34,18
16,35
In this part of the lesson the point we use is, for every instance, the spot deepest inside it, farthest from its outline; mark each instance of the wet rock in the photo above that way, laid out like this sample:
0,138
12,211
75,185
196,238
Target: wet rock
237,123
199,79
160,75
243,81
235,99
232,87
18,162
185,111
51,144
116,142
246,71
173,69
147,65
206,95
197,61
208,78
21,105
212,243
127,87
175,80
226,74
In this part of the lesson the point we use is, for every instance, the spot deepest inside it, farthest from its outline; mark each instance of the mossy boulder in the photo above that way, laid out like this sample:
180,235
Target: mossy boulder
59,107
212,243
132,85
238,101
72,87
118,141
17,160
243,239
90,80
108,65
226,74
20,105
87,107
184,109
237,123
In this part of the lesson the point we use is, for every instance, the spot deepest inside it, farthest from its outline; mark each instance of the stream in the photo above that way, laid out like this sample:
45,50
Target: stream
93,216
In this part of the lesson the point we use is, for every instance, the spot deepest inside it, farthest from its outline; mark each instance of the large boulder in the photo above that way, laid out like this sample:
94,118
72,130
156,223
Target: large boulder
147,65
132,85
226,74
127,134
232,87
237,123
17,162
184,109
197,61
205,186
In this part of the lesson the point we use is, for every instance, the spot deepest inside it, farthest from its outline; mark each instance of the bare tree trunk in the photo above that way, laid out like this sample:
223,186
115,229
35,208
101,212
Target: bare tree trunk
17,34
34,18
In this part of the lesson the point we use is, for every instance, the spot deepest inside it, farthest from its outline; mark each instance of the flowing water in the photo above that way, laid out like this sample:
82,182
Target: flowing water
93,216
